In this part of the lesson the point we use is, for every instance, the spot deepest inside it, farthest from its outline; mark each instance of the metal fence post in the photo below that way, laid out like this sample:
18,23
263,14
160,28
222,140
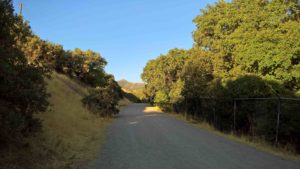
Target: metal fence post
214,111
234,113
278,119
186,109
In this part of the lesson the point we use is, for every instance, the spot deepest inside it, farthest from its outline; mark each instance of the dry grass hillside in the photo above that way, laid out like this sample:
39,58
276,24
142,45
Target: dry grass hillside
136,89
69,123
71,136
130,86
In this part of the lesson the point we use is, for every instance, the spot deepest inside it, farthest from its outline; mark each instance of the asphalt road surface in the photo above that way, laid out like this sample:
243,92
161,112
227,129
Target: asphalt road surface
139,140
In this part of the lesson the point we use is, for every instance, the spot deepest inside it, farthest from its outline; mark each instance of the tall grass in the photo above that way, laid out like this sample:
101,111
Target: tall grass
69,124
71,136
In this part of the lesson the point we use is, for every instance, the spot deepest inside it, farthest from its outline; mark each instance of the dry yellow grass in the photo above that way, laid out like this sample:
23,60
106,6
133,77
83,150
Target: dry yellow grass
69,128
123,103
71,135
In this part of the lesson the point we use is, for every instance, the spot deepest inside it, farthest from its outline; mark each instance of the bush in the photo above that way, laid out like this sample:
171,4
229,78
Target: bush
104,100
22,86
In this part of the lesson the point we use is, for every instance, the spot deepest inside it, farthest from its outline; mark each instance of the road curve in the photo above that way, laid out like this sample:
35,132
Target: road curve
139,140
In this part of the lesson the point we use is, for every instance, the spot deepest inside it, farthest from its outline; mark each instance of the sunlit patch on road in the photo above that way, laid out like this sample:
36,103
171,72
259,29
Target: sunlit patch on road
151,109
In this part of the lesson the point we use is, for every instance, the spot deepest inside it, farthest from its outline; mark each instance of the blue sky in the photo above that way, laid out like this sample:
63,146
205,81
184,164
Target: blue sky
127,33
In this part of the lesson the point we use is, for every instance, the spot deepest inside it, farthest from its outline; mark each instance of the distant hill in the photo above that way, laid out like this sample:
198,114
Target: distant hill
130,86
133,91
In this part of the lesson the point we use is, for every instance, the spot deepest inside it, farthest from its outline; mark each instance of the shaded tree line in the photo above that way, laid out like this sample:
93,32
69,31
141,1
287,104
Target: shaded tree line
242,48
26,60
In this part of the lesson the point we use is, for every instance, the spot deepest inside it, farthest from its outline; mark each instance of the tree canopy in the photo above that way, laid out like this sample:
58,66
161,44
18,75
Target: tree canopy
259,37
232,39
242,49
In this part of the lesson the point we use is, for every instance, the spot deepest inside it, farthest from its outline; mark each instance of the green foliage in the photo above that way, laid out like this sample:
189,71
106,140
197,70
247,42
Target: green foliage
161,99
40,53
243,49
249,86
22,86
104,100
176,92
177,75
258,37
197,73
87,66
161,74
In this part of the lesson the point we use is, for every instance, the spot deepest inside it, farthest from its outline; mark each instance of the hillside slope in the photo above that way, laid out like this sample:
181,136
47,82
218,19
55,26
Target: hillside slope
69,124
130,85
71,136
134,91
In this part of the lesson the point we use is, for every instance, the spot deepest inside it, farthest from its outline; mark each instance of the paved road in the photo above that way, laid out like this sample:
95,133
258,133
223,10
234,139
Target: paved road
138,140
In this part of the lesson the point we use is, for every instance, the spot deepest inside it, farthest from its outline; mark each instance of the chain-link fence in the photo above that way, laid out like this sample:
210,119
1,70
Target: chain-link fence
275,119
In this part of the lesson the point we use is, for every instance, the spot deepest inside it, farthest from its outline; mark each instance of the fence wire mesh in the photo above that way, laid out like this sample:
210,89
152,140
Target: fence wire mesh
273,119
